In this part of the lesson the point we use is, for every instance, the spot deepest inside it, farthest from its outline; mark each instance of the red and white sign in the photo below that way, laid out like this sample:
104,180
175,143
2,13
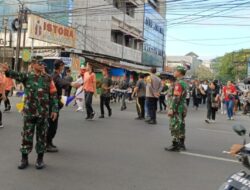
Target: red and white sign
45,30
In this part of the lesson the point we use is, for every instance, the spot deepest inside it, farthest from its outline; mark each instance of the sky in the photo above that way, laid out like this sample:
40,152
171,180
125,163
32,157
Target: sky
225,29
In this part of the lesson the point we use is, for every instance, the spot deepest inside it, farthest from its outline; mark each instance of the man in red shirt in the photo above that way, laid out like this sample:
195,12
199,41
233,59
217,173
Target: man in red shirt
229,92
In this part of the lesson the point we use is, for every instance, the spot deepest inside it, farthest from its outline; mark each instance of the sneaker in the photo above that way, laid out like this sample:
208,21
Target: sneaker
1,126
87,118
79,110
207,121
49,148
138,118
93,116
110,113
231,118
152,122
212,121
101,117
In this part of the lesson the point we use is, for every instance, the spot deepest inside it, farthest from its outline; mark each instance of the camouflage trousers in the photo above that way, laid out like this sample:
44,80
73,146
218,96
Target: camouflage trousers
177,127
32,124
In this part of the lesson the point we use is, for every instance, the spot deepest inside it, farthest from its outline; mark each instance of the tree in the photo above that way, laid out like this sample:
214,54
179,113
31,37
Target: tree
231,66
204,73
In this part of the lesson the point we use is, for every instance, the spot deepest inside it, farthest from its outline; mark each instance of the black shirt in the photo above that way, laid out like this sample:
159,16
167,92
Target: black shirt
211,95
60,83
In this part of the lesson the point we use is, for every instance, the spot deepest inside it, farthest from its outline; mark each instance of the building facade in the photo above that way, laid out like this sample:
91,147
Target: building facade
130,32
110,28
154,34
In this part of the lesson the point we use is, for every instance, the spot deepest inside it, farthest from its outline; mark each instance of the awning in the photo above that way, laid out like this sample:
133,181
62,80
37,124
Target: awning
133,2
112,63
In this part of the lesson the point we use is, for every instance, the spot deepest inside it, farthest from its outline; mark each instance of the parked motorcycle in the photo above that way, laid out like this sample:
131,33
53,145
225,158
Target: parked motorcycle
239,180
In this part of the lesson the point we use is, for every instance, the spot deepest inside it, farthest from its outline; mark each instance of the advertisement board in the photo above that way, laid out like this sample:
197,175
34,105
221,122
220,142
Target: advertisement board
45,30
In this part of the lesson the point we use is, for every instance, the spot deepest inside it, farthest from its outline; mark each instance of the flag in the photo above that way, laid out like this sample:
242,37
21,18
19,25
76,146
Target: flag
69,100
20,93
20,106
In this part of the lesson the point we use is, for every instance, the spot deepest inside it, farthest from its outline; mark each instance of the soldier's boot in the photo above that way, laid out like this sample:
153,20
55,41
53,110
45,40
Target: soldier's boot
174,147
39,162
24,162
182,144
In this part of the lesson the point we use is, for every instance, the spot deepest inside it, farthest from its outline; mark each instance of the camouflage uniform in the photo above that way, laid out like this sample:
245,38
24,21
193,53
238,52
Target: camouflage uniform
38,99
178,108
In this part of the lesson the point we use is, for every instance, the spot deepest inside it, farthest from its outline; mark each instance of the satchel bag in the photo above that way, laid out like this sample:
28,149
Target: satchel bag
215,105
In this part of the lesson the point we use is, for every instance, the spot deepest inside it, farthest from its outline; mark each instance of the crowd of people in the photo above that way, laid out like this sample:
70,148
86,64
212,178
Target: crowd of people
43,93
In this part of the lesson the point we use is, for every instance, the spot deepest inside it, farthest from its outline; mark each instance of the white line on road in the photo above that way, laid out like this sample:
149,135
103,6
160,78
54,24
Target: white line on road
208,157
216,131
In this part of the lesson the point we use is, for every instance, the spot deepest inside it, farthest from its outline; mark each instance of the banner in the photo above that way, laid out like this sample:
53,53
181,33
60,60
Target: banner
45,30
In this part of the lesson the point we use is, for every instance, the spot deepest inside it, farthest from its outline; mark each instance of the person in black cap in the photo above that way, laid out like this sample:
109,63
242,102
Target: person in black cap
60,84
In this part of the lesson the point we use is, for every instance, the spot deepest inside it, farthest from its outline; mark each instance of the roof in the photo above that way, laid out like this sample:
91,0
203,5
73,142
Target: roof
192,54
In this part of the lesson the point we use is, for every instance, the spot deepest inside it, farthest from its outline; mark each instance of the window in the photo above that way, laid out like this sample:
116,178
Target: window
129,41
117,4
130,9
117,37
127,7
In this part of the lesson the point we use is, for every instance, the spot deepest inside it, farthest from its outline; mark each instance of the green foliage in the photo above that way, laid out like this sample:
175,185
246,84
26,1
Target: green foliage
204,73
231,66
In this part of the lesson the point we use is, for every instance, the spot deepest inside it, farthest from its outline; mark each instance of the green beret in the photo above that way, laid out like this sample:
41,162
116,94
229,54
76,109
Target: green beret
181,69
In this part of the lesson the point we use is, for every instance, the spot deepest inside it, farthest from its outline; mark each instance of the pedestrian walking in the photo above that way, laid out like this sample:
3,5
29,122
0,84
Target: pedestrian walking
229,92
68,78
177,111
162,98
9,84
106,85
90,90
80,95
188,95
213,102
123,91
140,93
2,93
40,101
153,89
60,84
204,88
196,93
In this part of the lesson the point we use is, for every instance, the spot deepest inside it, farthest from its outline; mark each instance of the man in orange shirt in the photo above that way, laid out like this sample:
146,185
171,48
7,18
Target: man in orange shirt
90,90
8,87
2,93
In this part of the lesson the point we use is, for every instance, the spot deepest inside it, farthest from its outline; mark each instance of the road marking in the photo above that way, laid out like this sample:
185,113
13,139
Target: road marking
208,157
216,131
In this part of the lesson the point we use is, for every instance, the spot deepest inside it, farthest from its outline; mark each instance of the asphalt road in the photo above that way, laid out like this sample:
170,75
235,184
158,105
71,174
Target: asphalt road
120,153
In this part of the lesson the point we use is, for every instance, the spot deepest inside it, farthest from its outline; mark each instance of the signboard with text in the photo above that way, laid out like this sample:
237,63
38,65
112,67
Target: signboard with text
45,30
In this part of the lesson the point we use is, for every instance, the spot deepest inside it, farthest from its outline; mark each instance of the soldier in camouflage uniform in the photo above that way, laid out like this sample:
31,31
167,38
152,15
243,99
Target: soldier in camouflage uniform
40,96
177,111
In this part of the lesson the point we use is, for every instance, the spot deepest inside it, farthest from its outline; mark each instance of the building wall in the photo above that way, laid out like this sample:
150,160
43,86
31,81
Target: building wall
95,25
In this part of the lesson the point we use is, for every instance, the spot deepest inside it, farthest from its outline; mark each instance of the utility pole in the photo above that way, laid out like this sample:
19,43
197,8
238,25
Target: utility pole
86,25
19,33
5,24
